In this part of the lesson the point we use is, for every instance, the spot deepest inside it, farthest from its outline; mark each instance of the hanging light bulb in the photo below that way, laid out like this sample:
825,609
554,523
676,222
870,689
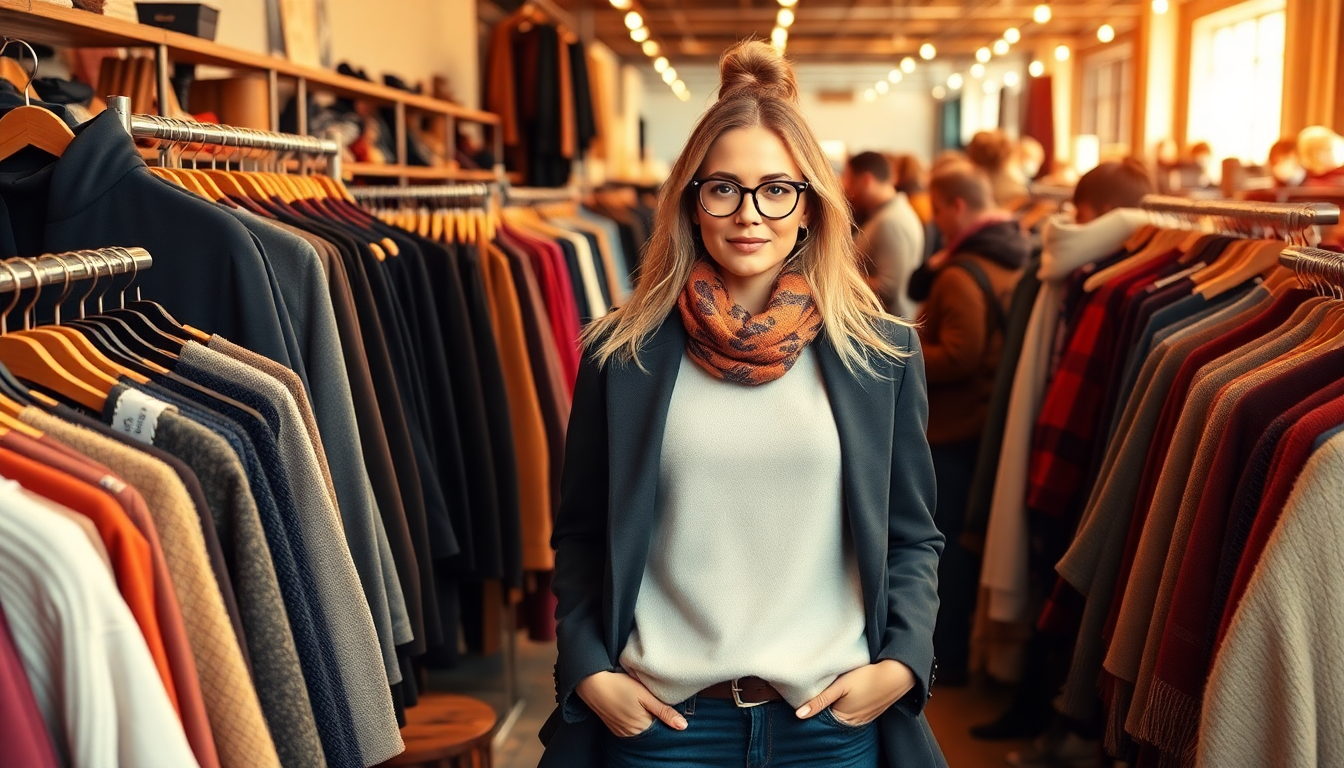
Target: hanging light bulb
660,64
1042,14
939,92
620,5
669,75
678,86
982,55
684,95
639,35
977,70
1105,33
1036,69
1011,79
1062,53
955,81
788,3
1161,6
908,64
784,18
927,51
882,86
650,48
895,76
1012,35
870,95
779,36
633,20
1000,47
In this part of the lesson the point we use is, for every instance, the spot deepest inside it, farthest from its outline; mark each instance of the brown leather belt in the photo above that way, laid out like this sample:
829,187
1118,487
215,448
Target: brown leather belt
744,691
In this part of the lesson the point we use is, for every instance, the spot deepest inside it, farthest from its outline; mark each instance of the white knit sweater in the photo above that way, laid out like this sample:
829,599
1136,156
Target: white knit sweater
750,571
1275,697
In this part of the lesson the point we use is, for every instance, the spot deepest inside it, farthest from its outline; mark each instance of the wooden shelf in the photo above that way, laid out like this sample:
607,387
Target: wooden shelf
41,22
415,172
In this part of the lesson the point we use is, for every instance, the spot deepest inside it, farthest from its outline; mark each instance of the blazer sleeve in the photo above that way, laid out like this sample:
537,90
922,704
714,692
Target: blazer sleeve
579,540
913,541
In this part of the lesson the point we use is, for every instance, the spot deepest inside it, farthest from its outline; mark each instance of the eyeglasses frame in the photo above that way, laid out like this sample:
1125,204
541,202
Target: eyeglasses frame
799,186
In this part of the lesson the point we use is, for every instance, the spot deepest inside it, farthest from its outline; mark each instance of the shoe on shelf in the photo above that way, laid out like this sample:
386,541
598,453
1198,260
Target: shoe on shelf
1052,751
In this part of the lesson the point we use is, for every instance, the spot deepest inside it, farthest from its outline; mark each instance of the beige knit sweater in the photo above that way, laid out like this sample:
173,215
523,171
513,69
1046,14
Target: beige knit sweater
1276,693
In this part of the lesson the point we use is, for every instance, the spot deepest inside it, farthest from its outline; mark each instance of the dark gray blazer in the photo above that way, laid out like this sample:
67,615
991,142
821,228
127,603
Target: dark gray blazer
612,458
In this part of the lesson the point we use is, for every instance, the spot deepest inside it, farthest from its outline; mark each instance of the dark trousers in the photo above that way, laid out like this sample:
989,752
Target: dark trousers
719,734
959,568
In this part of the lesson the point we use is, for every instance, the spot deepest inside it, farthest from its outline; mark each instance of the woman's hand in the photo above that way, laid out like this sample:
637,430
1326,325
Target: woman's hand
625,705
860,696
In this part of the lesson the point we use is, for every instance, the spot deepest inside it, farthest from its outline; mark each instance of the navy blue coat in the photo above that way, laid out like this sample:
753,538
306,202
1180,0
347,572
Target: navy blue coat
607,516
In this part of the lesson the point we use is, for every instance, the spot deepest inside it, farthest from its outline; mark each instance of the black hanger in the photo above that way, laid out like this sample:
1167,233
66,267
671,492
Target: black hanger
148,318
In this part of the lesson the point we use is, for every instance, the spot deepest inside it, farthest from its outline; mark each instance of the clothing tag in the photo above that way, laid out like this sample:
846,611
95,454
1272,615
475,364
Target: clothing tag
137,415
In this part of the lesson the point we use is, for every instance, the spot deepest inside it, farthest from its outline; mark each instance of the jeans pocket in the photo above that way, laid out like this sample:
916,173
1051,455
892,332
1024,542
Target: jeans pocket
828,716
644,734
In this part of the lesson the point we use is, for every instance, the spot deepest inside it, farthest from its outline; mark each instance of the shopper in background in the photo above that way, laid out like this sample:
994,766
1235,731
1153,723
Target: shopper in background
1113,184
962,329
912,180
1321,152
746,558
994,154
891,240
1284,165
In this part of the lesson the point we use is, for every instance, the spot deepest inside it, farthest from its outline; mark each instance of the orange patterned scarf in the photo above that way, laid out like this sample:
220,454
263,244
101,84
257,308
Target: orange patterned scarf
734,345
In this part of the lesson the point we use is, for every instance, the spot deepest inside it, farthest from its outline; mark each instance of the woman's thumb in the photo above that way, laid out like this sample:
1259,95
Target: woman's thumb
820,701
665,712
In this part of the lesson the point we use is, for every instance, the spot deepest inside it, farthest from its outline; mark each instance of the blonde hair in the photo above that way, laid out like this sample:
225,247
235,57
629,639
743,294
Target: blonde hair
756,88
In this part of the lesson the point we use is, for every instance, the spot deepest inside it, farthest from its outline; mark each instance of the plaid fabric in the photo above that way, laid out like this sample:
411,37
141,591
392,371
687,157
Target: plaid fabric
1070,417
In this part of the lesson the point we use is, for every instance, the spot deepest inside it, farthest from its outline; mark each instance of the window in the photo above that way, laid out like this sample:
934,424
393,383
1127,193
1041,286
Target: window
1108,97
1236,80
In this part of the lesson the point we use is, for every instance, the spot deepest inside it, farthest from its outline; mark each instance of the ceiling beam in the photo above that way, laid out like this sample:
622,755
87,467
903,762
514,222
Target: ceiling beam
867,13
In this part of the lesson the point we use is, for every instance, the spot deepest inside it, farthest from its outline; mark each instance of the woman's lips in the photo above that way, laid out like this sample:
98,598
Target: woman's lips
747,244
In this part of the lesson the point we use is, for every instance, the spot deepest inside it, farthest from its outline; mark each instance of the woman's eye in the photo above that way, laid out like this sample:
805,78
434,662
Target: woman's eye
776,190
724,189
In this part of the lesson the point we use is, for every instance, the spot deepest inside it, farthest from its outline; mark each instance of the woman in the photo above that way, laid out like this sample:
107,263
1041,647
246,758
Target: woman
745,552
993,153
912,180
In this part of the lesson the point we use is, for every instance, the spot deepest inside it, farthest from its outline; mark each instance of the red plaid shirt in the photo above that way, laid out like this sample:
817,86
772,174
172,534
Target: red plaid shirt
1063,442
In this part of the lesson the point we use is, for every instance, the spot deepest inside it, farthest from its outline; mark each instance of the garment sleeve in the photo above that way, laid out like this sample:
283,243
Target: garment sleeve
579,541
954,344
914,543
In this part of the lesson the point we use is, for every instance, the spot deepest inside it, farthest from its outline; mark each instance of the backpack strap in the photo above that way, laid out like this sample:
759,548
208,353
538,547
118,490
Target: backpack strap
997,316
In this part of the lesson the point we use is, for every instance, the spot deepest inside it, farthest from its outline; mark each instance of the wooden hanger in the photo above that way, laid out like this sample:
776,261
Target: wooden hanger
30,126
1160,243
27,358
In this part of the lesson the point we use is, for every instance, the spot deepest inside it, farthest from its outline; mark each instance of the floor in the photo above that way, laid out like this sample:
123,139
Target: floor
951,711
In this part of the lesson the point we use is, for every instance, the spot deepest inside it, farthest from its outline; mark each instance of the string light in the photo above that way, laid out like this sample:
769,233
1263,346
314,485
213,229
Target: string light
779,36
639,35
1012,35
1105,33
650,48
633,20
1042,14
1011,79
1161,6
1036,69
620,5
678,86
977,70
895,76
684,95
660,64
939,92
788,3
908,64
1000,47
669,75
784,18
882,86
927,51
1062,53
870,95
955,81
982,55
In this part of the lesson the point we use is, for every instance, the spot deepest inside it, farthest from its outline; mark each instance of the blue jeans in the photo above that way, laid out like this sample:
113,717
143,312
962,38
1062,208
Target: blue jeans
721,735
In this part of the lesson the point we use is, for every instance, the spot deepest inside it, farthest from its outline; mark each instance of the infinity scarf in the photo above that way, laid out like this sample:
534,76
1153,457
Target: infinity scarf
734,345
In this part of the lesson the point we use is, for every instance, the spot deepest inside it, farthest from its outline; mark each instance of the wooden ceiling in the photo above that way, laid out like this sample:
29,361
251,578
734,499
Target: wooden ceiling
849,30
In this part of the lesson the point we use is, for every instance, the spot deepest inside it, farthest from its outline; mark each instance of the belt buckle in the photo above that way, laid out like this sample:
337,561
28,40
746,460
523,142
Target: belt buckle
737,696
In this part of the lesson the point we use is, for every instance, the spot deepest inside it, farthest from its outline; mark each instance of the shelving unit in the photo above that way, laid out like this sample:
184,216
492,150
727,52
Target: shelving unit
41,22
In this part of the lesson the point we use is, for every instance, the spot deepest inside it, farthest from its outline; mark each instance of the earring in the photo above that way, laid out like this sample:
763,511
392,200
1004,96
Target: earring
802,234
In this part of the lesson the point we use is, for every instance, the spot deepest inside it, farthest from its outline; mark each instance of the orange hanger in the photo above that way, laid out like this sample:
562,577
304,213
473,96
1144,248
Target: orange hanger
27,359
30,126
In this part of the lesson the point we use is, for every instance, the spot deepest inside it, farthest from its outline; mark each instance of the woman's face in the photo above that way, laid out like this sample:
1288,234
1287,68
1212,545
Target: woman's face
744,243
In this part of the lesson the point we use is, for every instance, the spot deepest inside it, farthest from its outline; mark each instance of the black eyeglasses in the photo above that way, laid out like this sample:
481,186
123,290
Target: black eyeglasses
721,198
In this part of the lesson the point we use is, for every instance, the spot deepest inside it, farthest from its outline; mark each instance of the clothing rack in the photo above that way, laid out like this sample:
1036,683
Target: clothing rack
438,191
1245,217
535,195
58,269
1054,192
179,131
1315,267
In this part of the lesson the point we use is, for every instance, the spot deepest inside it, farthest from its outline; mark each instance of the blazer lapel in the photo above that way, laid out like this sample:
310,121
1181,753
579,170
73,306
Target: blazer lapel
864,408
637,405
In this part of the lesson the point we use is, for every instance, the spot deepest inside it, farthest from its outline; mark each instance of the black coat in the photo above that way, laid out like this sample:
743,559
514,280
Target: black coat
612,465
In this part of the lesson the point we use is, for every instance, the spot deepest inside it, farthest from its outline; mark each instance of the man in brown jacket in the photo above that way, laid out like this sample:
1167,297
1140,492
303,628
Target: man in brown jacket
961,328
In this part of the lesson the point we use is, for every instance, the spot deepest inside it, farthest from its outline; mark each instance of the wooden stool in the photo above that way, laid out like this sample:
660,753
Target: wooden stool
446,731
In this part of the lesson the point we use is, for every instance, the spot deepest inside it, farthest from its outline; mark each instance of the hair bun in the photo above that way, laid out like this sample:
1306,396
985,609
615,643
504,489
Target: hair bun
755,69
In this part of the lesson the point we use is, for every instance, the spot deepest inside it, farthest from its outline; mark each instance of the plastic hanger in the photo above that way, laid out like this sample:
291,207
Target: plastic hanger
30,126
167,334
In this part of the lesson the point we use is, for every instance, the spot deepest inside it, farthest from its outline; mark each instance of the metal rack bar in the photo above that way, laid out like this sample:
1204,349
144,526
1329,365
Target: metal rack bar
421,193
1315,266
56,269
531,195
1285,215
